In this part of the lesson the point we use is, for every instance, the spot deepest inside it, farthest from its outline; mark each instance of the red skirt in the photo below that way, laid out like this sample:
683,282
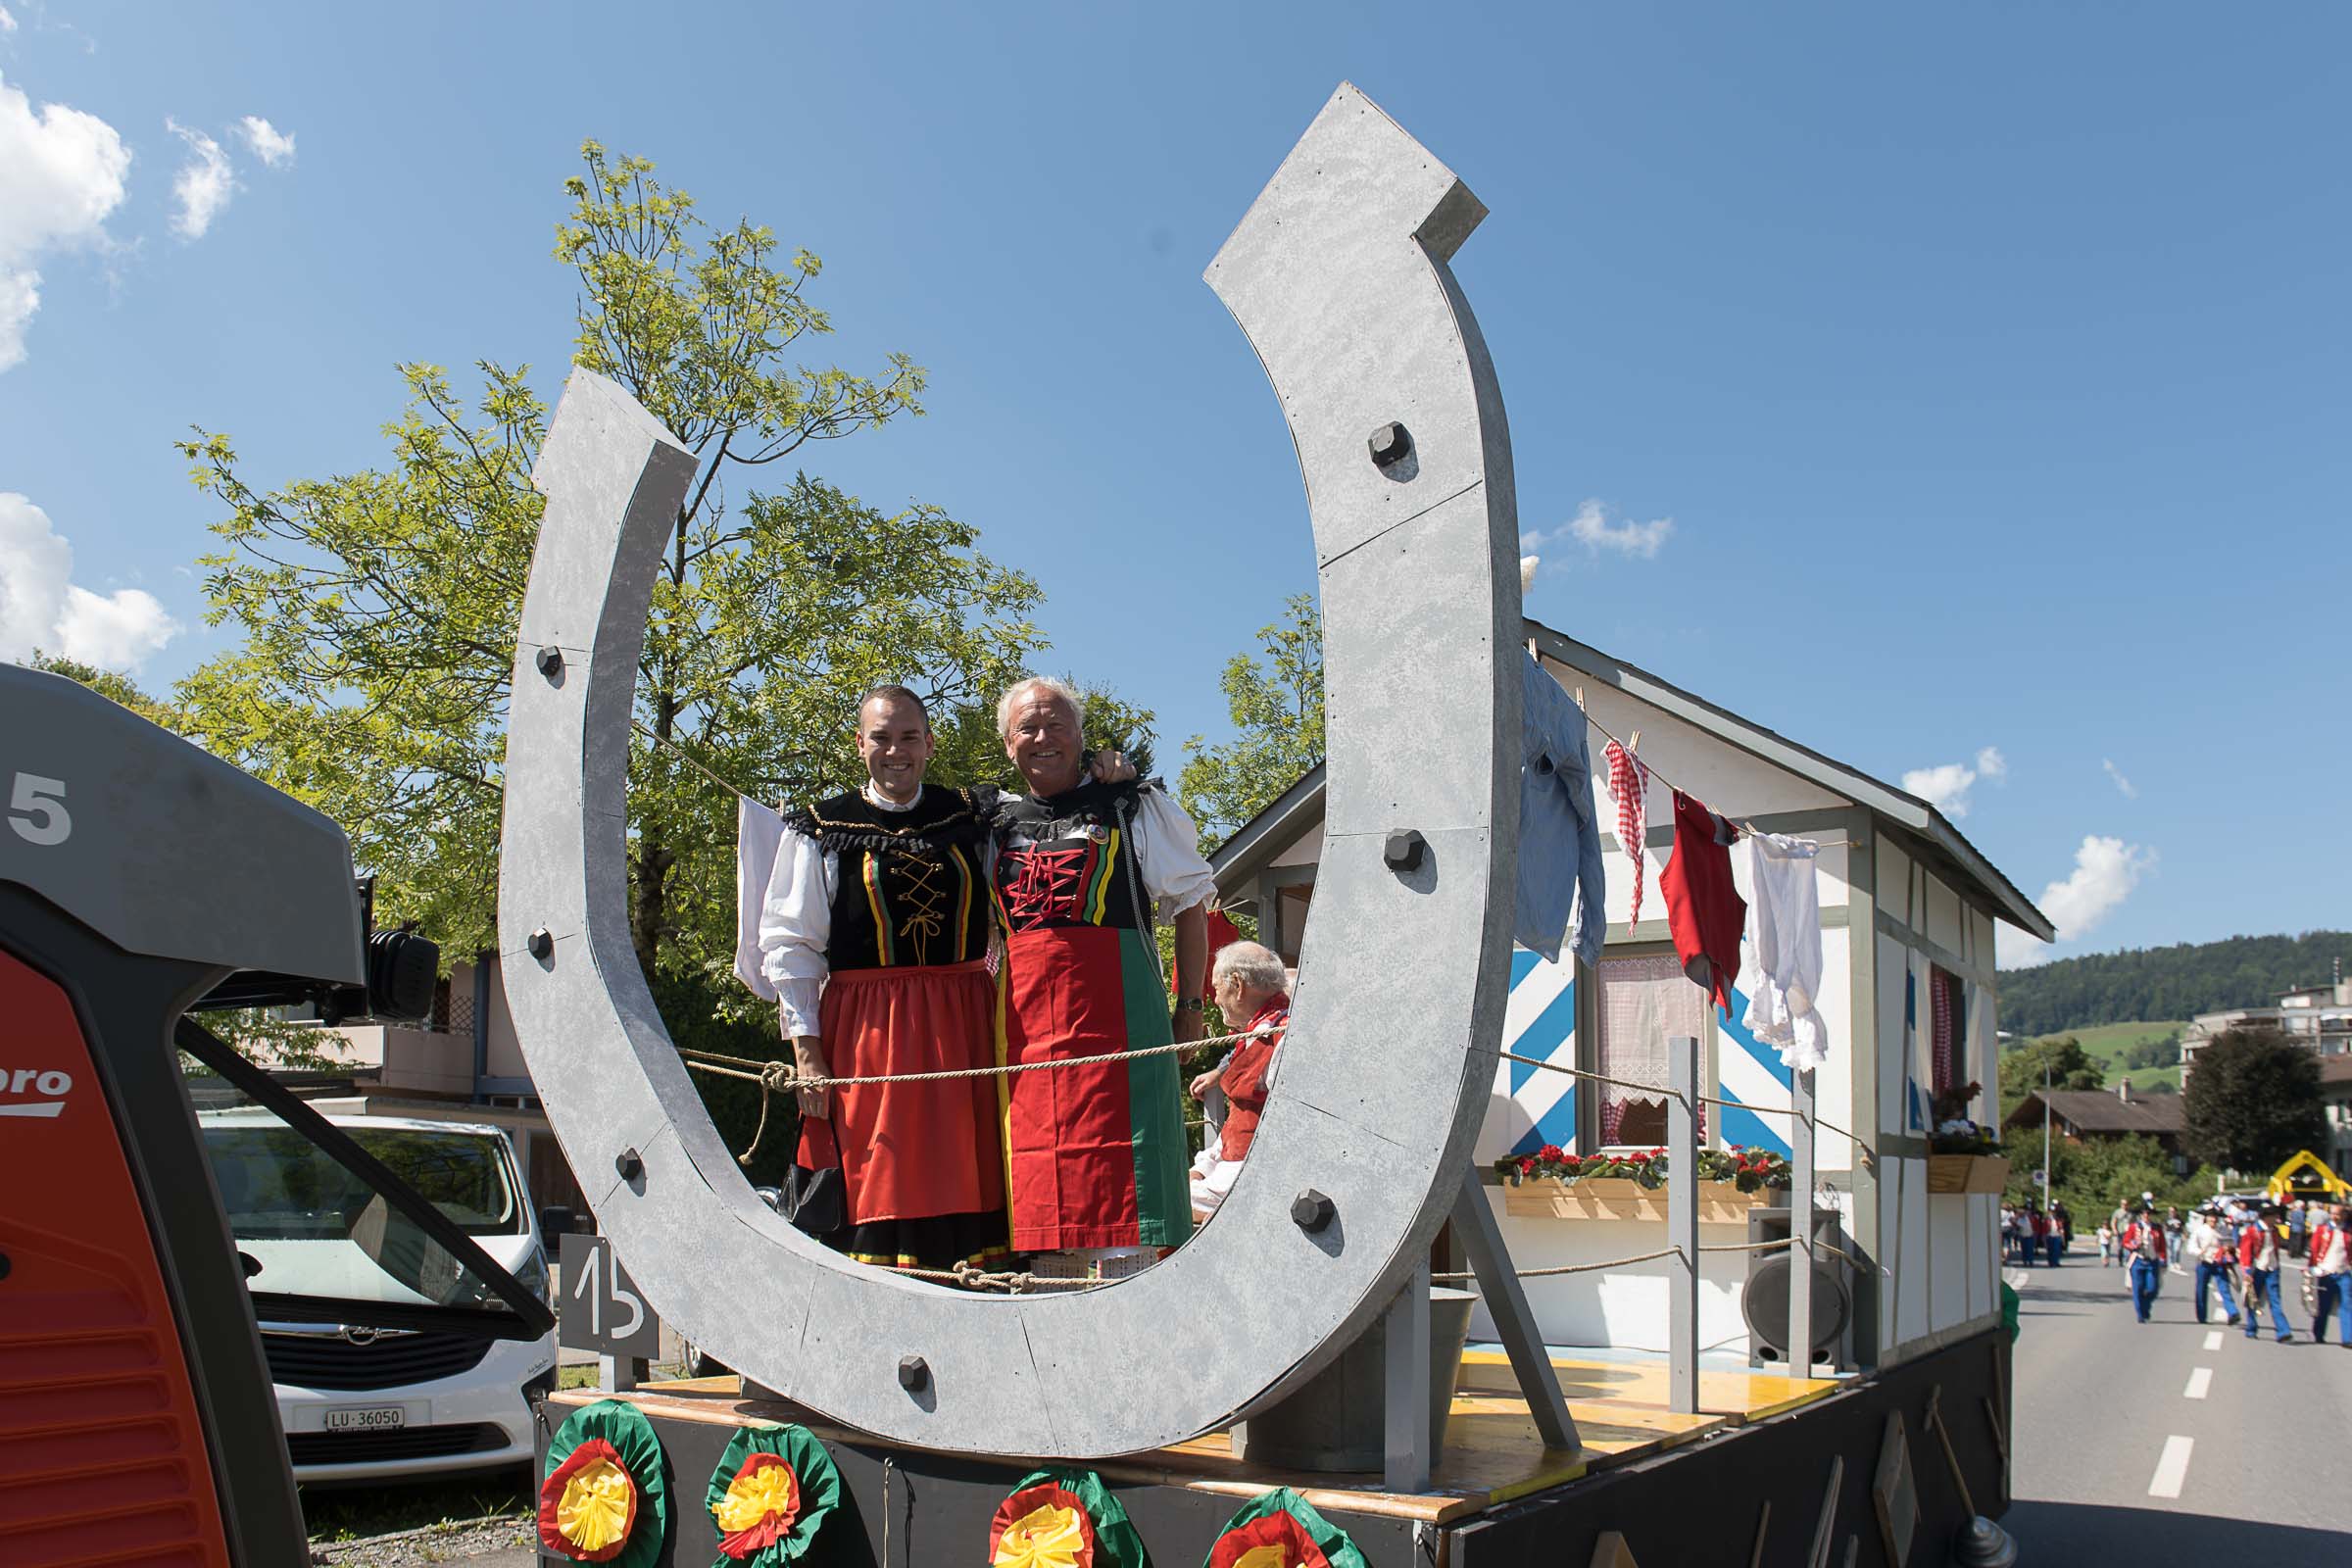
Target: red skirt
911,1151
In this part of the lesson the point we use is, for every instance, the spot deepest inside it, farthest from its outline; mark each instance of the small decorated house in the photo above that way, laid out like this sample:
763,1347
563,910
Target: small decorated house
1907,910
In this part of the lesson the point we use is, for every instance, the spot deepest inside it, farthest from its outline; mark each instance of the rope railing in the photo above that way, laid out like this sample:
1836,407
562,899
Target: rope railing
1663,1092
782,1077
1561,1269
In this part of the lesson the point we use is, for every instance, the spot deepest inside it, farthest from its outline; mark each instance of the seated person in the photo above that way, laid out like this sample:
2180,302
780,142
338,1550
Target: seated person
1251,991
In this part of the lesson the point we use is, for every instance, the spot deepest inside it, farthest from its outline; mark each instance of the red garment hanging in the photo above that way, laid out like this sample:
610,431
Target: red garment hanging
1704,910
1222,933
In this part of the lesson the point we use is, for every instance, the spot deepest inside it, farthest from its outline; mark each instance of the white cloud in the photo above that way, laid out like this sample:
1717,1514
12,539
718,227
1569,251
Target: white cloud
271,145
1945,786
2106,870
8,23
1591,528
203,185
61,174
41,606
2129,789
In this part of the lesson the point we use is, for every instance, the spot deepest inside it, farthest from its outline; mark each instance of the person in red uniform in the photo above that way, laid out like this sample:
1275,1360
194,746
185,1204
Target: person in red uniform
1247,982
2144,1243
2258,1265
2329,1254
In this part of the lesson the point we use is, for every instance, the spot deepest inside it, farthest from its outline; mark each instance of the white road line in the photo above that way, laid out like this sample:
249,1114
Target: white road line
2173,1468
2199,1380
2213,1341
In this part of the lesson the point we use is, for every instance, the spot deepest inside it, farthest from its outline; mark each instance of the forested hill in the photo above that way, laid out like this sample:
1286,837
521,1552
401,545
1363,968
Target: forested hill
2175,982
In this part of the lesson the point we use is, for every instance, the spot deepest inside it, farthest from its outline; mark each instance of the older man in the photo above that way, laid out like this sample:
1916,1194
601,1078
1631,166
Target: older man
1095,1157
1251,991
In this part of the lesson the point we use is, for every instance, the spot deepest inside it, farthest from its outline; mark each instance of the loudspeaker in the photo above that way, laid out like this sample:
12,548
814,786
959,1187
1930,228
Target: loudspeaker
1764,1299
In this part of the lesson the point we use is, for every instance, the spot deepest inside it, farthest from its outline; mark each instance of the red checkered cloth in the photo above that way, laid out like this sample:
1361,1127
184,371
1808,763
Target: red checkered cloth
1628,777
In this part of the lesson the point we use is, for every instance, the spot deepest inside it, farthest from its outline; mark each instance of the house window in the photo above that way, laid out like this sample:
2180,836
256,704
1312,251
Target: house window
1944,998
1643,1001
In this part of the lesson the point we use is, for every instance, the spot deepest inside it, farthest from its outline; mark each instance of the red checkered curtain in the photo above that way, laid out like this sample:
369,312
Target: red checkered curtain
1943,991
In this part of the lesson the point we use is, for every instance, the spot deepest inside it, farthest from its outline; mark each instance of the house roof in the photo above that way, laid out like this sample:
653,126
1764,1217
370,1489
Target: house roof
2100,1110
1257,841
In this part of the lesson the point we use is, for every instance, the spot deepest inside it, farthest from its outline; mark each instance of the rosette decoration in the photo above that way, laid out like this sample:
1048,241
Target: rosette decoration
770,1495
1060,1518
1280,1528
605,1497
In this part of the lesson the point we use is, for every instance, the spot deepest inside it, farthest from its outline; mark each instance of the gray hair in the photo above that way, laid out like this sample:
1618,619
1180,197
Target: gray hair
1035,683
1258,969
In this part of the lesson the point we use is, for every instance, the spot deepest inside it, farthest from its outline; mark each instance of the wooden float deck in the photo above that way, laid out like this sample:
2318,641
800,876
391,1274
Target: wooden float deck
1492,1454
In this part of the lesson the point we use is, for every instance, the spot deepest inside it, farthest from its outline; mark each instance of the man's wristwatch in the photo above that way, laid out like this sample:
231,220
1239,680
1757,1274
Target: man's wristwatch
1192,1004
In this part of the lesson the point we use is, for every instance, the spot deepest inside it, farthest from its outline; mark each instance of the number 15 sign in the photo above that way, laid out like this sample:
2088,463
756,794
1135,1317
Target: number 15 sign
601,1310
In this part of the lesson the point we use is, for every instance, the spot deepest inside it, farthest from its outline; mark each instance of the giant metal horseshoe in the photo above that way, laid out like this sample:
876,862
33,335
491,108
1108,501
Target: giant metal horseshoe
1337,273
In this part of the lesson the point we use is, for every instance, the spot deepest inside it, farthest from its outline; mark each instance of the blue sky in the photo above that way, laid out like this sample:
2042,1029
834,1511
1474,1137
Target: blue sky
1986,367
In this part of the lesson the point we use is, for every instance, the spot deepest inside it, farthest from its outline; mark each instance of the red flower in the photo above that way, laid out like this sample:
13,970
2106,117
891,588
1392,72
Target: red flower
1551,1152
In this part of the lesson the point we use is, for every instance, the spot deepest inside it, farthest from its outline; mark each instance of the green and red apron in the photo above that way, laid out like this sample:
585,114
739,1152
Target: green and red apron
1094,1156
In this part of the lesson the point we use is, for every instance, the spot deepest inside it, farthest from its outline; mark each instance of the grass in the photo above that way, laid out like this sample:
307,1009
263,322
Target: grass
2106,1043
357,1511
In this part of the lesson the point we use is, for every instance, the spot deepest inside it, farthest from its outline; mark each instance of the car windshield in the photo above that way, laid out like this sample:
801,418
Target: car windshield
278,1185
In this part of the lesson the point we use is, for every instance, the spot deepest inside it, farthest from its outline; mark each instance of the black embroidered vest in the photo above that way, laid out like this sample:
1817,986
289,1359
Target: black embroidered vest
911,888
1078,866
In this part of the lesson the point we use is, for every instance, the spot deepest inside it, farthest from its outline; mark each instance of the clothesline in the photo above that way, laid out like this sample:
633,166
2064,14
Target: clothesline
691,761
1634,851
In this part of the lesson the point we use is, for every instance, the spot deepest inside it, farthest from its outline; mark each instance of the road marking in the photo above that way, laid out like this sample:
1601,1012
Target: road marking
2199,1380
2213,1341
2173,1468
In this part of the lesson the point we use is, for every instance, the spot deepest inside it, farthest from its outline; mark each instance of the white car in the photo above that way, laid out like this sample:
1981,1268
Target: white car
363,1404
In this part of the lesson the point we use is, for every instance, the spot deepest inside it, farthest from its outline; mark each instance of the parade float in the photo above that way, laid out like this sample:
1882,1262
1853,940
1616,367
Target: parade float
1296,1348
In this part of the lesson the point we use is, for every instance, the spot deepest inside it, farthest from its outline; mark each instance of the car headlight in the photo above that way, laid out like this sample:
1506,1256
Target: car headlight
533,1275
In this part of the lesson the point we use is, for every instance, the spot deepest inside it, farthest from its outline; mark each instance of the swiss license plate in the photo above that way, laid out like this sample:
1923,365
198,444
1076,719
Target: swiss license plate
372,1418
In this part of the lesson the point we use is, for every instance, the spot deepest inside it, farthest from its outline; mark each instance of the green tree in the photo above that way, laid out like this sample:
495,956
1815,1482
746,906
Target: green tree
2253,1100
1277,706
377,610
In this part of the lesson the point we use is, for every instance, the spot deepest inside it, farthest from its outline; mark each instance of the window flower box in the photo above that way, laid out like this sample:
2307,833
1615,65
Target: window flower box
1621,1198
1967,1173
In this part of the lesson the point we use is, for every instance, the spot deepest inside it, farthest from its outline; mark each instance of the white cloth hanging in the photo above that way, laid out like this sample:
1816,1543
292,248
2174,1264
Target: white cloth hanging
1784,943
759,832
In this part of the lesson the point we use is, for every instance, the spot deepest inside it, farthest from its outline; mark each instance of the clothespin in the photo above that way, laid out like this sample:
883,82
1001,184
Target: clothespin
1580,697
1633,742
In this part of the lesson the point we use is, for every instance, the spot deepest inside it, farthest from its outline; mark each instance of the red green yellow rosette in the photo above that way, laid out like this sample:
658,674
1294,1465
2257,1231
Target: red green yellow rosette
772,1489
605,1498
1059,1518
1280,1528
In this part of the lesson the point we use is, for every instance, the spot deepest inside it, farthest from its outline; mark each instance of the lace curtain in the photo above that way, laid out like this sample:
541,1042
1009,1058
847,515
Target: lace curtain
1643,1002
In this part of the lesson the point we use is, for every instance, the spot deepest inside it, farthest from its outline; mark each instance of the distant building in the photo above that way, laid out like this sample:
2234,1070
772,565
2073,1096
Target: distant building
2083,1114
2320,1016
2336,1099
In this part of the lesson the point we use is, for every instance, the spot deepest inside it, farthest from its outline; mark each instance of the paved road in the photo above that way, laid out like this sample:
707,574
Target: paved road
2157,1443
